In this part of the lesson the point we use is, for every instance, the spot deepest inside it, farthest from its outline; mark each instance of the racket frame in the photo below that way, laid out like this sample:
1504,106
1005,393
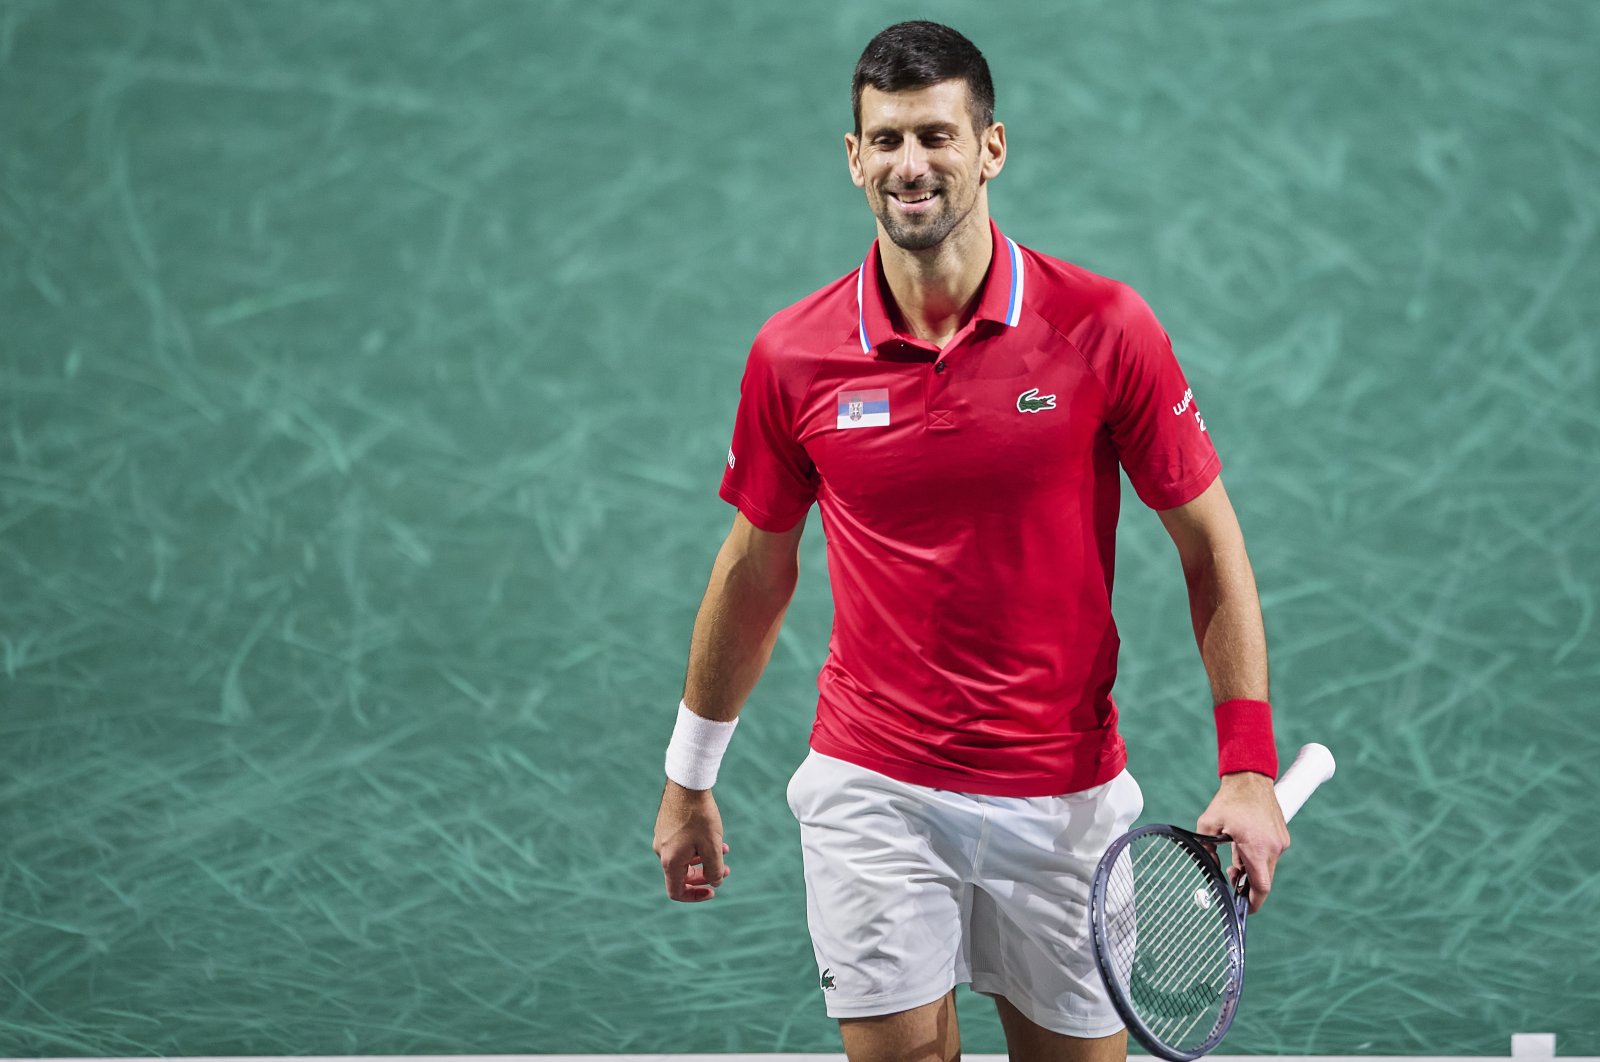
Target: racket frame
1203,848
1313,765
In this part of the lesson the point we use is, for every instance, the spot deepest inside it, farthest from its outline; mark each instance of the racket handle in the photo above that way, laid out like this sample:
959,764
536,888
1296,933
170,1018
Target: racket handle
1312,766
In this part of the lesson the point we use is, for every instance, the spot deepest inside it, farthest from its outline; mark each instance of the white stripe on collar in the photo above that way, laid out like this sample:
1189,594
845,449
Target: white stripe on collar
1014,307
1013,304
861,309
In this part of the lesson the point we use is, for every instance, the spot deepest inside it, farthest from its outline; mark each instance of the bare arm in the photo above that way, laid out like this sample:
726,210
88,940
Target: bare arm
1222,594
752,582
1226,613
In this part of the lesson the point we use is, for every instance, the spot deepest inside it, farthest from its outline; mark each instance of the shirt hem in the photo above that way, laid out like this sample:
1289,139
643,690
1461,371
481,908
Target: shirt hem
965,782
762,519
1184,492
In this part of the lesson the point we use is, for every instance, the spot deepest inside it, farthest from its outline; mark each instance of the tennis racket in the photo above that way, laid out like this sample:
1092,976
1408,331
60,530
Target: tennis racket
1169,929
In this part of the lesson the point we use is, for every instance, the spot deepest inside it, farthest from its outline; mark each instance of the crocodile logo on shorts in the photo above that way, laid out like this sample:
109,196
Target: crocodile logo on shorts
1031,401
827,980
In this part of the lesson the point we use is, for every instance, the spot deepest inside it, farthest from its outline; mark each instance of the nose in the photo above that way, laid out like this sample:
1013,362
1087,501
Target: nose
911,162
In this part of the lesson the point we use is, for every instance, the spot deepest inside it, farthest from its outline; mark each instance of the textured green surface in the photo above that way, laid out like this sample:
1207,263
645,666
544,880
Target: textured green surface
366,372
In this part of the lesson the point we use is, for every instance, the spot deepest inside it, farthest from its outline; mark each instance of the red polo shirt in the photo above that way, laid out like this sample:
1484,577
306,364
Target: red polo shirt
969,497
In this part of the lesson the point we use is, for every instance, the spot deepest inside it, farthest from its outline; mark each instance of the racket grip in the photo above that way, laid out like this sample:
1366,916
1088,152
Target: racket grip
1312,766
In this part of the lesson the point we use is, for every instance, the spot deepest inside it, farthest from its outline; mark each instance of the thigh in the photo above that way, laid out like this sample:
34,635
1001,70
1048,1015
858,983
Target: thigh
928,1033
885,895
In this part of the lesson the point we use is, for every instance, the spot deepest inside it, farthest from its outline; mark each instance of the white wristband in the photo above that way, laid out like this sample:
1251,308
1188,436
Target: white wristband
696,749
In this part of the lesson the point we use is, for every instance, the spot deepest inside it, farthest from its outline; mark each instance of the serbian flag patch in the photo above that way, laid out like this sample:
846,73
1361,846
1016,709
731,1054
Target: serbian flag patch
864,409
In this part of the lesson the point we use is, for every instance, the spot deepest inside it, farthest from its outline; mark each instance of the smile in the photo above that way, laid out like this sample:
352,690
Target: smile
914,202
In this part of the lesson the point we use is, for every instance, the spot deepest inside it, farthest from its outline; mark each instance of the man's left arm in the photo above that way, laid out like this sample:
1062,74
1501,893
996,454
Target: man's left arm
1233,646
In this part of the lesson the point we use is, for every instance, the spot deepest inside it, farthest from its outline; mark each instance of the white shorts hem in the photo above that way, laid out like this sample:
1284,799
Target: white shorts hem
878,1006
1041,1016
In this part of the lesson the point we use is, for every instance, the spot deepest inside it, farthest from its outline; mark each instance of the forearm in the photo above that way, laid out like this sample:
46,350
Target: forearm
1233,644
736,629
1226,612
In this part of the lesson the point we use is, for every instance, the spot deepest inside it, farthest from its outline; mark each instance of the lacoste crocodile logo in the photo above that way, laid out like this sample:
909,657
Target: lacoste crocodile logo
827,980
1031,401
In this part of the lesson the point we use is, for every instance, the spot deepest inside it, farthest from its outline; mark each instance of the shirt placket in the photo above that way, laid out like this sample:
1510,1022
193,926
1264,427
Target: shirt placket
939,398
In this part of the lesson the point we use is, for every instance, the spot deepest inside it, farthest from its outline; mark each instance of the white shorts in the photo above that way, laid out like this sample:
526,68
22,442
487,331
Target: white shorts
911,891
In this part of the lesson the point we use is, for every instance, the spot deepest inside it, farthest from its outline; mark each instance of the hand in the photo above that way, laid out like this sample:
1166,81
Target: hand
1246,809
689,842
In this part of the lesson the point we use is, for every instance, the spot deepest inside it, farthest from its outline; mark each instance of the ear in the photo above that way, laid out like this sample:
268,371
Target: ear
993,150
852,155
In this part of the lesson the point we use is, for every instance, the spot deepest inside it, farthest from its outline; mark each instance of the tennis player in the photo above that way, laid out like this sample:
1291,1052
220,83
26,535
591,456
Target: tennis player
958,408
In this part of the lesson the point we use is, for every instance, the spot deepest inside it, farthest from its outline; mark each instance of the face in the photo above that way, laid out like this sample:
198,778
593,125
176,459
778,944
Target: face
920,162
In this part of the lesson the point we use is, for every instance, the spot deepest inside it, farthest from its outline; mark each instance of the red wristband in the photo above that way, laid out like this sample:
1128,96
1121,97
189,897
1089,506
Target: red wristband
1244,737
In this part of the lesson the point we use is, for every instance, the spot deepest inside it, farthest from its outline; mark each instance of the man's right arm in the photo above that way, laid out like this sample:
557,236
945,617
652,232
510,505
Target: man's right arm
752,582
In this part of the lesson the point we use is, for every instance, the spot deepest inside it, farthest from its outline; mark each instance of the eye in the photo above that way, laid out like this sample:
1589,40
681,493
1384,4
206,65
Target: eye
885,141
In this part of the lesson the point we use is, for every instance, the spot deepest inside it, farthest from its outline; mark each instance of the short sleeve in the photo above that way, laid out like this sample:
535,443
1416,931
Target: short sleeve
769,476
1156,426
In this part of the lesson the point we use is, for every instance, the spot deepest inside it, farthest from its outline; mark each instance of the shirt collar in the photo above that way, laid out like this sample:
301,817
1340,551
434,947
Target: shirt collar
1001,300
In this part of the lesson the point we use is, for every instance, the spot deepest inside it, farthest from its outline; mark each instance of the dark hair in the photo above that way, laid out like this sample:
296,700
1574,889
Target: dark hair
917,54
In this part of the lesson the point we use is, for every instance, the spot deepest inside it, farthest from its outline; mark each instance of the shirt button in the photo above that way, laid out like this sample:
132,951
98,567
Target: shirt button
938,366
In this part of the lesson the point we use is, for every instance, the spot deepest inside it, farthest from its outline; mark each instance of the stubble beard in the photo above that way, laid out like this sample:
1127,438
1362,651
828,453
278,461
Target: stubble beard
917,236
930,232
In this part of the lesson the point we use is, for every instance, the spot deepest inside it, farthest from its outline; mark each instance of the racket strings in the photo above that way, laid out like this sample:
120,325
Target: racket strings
1161,882
1171,938
1195,924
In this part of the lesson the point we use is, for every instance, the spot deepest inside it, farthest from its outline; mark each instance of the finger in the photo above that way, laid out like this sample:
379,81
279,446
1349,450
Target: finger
1260,870
689,885
715,869
697,875
686,879
675,873
1258,896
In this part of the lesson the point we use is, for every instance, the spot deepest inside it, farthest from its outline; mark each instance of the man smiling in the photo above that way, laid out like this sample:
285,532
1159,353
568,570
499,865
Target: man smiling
920,206
958,408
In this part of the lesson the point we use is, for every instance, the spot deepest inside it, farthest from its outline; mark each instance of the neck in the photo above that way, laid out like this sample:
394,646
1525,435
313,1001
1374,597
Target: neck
936,291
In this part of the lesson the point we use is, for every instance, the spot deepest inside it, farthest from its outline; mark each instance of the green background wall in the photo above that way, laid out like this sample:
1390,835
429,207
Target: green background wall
366,372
